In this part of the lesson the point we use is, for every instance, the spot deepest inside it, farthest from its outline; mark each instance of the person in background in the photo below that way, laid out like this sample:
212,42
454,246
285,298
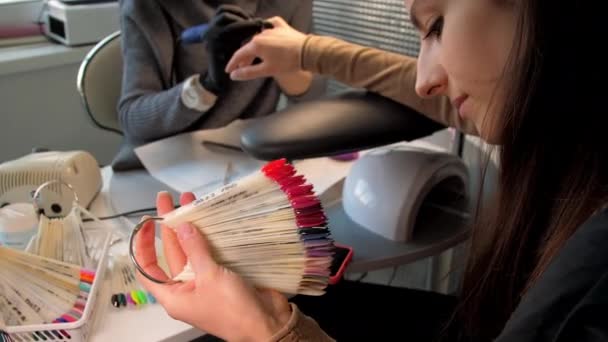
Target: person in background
169,87
521,78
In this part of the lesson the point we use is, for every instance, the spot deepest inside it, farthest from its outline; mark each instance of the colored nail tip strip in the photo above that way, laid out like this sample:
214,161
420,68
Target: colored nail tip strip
123,299
278,169
68,318
284,175
310,210
87,280
151,298
293,181
311,231
318,214
314,229
298,190
87,272
308,222
313,237
115,300
129,299
281,177
318,254
274,164
142,297
304,202
75,314
135,298
282,181
320,243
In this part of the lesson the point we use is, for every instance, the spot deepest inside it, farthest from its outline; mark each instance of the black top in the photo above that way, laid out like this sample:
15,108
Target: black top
570,300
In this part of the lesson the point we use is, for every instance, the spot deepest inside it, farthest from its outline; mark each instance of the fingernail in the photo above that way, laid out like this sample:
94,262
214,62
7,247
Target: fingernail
184,231
162,193
235,76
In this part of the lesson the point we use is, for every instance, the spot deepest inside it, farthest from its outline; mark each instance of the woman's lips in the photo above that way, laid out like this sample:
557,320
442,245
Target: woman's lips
457,103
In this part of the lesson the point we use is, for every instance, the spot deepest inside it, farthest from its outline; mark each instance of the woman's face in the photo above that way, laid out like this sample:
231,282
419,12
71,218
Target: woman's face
465,46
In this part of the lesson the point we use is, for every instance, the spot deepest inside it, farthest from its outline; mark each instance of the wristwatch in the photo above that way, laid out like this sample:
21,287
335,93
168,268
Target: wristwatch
195,96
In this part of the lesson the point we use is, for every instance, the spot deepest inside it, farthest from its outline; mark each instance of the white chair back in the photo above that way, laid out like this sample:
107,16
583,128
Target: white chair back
99,82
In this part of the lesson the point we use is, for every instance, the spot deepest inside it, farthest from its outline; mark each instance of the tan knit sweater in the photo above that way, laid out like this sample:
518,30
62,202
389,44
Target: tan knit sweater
301,328
388,74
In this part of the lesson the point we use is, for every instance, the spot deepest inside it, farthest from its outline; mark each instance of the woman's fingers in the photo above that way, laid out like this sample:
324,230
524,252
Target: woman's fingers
251,72
257,47
197,249
243,56
145,251
279,49
164,203
278,22
171,247
186,198
165,294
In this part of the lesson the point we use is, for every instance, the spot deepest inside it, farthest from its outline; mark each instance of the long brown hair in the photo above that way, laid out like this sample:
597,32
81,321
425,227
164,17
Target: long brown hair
553,160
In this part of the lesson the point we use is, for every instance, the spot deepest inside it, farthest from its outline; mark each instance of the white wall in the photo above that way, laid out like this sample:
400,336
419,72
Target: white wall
42,108
19,12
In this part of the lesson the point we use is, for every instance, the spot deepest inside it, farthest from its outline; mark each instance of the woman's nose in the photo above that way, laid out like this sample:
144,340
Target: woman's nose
431,78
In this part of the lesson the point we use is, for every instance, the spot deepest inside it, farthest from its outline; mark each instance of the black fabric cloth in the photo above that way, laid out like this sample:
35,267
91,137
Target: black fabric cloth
570,300
353,311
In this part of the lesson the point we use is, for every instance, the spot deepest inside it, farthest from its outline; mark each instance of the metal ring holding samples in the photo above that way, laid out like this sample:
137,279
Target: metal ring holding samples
36,194
141,270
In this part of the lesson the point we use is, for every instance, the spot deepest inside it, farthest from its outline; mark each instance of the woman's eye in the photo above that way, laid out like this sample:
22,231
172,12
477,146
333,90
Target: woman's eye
436,28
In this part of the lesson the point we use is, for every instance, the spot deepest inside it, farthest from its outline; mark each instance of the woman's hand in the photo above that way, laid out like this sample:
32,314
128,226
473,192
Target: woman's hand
217,301
279,48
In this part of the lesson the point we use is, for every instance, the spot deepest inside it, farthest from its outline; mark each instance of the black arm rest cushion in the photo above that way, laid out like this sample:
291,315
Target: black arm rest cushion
347,122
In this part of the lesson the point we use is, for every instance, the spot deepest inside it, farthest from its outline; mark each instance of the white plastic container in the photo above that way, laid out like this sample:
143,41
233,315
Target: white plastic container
76,331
